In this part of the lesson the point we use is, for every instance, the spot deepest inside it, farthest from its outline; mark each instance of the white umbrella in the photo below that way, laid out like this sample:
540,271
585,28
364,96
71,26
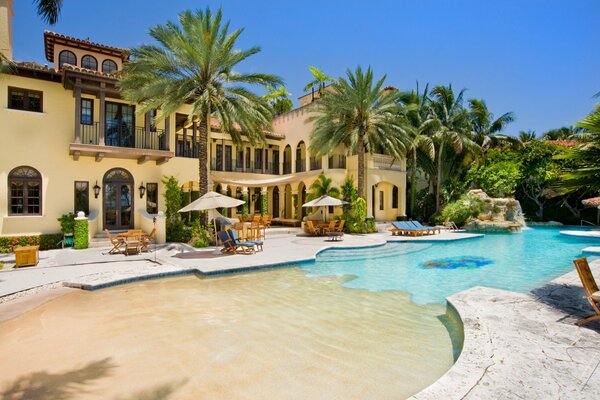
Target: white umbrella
211,201
325,201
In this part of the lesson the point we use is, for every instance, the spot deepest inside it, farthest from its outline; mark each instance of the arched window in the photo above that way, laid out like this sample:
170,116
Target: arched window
89,62
25,191
109,66
66,57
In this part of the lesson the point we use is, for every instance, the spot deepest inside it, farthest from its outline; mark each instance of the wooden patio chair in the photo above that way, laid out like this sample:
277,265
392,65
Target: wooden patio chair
266,220
229,246
330,227
592,293
147,240
340,226
116,241
258,244
311,229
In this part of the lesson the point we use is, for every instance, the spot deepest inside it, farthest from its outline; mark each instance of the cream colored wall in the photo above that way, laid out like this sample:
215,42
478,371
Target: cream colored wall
79,53
6,14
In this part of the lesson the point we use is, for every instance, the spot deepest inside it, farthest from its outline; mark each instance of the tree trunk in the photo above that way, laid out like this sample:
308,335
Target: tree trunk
413,185
438,183
361,168
203,163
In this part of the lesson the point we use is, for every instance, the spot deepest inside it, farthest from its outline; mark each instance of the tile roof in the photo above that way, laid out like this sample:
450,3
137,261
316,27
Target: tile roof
90,71
565,143
50,38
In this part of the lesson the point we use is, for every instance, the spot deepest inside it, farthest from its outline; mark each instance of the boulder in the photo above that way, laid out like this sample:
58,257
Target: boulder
498,215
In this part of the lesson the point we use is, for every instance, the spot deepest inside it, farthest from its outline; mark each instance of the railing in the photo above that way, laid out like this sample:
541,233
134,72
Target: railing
219,165
89,133
239,165
273,169
300,165
585,222
337,162
287,168
155,139
383,161
316,163
186,149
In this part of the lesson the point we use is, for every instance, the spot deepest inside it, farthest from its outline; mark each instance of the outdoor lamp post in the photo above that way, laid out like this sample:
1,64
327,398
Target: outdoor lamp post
96,190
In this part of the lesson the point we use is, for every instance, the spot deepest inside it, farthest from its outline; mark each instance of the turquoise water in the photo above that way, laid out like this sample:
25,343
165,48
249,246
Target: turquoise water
430,272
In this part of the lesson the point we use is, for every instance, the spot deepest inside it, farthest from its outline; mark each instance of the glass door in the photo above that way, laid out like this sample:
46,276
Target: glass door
118,200
120,124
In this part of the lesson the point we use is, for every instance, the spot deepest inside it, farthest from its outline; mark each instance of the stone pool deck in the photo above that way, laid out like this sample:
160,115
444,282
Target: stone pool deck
516,345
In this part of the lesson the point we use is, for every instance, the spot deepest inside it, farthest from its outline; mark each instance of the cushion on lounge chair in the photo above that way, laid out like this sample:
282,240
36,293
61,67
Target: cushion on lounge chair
596,296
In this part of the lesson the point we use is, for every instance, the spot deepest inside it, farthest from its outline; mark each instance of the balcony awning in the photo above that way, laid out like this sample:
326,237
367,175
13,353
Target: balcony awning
242,179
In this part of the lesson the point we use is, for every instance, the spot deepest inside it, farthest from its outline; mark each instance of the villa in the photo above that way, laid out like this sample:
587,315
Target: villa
71,143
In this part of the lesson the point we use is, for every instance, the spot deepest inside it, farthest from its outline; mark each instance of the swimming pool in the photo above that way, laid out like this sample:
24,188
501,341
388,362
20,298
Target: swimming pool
430,272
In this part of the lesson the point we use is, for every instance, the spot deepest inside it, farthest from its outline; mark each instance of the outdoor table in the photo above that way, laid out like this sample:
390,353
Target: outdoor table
26,256
133,241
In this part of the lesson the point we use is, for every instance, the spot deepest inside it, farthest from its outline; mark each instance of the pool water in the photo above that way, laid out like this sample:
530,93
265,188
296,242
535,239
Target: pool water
430,272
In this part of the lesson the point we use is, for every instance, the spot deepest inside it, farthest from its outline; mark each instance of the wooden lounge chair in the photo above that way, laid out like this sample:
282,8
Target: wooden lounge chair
147,240
404,229
116,241
230,247
311,229
340,227
589,287
431,230
258,244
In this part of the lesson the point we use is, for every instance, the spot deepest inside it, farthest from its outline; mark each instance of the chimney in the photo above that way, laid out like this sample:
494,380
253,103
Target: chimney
6,15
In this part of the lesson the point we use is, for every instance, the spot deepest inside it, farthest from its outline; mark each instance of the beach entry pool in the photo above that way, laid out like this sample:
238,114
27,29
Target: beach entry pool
430,272
273,334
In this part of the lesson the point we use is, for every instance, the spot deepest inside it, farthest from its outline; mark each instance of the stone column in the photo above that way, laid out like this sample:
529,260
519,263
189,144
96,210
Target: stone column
77,94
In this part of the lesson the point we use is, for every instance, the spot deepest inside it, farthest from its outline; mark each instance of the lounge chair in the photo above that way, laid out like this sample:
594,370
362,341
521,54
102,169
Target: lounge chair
147,240
340,227
330,227
230,247
589,287
116,241
403,228
258,244
311,229
430,229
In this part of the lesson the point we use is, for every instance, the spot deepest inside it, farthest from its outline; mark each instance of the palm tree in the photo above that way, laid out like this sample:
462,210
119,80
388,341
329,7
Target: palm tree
562,133
527,136
420,125
486,128
320,80
278,99
359,114
49,10
195,63
454,130
323,187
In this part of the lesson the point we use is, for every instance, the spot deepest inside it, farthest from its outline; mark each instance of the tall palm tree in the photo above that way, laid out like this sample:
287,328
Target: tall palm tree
454,130
420,125
195,63
485,127
359,114
527,136
278,99
320,80
562,133
49,10
323,187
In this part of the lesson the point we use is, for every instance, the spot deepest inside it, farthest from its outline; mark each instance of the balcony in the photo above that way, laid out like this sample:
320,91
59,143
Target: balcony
287,168
384,161
337,162
217,164
316,163
300,165
122,141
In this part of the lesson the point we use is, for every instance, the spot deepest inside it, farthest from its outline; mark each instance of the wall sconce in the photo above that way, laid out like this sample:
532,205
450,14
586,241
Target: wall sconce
96,190
142,190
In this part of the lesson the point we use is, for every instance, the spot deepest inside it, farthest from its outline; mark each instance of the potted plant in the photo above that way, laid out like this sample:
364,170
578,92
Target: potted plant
67,226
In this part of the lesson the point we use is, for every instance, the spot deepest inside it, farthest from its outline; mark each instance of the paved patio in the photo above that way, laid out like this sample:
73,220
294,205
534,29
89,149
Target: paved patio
516,345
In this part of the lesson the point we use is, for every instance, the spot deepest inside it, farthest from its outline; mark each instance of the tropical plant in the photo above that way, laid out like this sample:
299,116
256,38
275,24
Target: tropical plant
320,80
348,192
278,99
67,223
49,10
419,124
487,129
196,63
527,136
323,187
454,131
562,133
359,114
497,174
461,210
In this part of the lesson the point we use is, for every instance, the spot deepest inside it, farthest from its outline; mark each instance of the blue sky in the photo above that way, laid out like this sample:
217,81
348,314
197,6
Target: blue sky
536,58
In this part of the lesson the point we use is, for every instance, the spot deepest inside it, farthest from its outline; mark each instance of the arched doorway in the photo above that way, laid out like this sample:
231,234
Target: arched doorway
275,202
118,199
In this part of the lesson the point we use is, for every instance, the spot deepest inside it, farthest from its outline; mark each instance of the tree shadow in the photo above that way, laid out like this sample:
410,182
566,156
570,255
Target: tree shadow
61,386
160,392
568,299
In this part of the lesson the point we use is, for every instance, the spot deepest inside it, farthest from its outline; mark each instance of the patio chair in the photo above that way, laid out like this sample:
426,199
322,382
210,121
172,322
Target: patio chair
230,247
330,227
311,229
430,229
267,221
592,293
147,240
340,227
116,241
258,244
403,228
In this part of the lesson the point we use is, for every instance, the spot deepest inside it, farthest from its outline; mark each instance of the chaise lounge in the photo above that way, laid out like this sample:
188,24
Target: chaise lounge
592,293
229,246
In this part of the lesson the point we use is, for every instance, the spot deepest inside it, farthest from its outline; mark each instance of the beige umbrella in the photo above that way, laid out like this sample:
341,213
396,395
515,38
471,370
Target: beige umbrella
325,201
593,202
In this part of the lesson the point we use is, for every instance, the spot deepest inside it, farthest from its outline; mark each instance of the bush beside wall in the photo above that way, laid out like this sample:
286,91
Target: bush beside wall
45,241
81,234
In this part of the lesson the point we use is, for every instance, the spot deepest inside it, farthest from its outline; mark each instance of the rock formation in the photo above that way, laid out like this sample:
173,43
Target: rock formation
498,215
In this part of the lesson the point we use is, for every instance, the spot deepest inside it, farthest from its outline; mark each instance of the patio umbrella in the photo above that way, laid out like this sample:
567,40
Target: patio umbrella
325,201
593,202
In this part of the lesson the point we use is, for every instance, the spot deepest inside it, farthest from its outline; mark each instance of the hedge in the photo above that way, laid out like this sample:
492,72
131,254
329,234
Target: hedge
81,234
45,241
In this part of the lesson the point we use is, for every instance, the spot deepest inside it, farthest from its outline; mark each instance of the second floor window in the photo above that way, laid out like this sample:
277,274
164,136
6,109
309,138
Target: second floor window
24,99
89,62
87,111
109,66
66,57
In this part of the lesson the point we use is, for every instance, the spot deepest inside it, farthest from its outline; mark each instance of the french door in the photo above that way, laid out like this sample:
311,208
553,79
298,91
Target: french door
118,200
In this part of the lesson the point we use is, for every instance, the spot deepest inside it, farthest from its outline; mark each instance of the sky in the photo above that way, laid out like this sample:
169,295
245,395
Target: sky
536,58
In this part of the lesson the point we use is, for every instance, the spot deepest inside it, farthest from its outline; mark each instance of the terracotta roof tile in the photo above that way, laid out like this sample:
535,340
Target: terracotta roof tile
90,71
50,38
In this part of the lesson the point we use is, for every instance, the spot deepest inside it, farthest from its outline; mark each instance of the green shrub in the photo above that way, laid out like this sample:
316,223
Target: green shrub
45,241
200,235
177,231
1,265
264,205
246,198
461,210
81,234
67,222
